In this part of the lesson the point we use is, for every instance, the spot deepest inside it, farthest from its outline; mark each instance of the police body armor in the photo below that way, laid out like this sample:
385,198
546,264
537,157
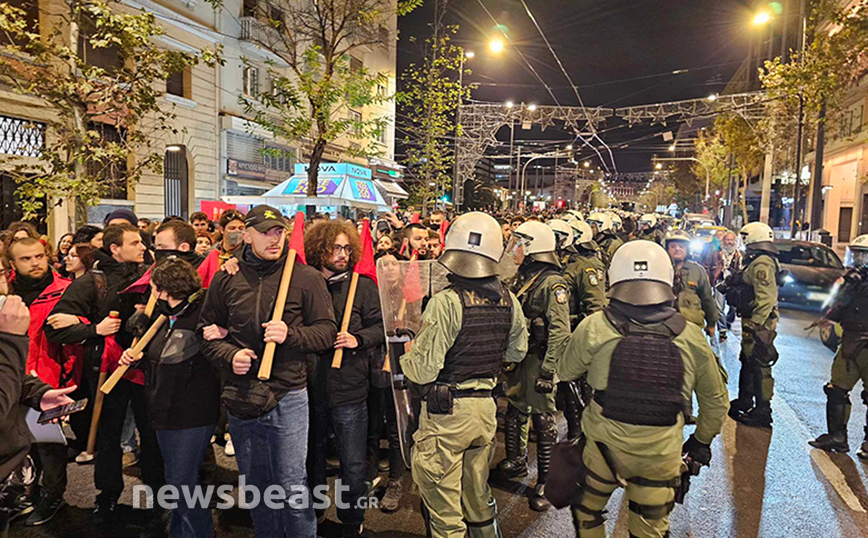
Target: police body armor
539,330
646,373
477,353
688,301
739,294
853,316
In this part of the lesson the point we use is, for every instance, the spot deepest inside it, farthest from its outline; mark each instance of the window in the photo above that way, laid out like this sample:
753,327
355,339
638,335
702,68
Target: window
251,81
108,58
179,84
276,16
249,8
355,117
383,135
356,65
381,91
279,158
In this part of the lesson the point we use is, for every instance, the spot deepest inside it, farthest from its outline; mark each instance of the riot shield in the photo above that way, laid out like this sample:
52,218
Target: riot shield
405,288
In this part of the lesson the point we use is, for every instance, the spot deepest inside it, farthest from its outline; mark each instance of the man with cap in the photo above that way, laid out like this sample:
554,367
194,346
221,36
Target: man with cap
643,361
469,330
754,294
604,235
122,215
268,419
692,290
544,297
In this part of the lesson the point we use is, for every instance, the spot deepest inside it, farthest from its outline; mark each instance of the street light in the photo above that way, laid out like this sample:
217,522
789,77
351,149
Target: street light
570,147
496,45
510,104
659,166
586,164
469,54
761,18
531,107
672,147
712,97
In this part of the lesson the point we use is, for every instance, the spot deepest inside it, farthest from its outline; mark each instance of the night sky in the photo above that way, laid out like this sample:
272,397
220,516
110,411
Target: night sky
618,53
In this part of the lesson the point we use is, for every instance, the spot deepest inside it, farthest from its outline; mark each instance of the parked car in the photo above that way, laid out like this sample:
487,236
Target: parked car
690,221
812,269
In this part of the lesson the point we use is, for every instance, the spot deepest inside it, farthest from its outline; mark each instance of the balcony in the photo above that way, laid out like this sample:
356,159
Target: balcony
263,35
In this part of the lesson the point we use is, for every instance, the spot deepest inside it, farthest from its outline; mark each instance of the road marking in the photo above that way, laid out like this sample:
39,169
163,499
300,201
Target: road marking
831,471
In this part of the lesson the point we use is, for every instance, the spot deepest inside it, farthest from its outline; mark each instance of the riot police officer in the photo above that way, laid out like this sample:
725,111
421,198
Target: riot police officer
754,294
647,229
692,290
637,353
468,331
544,298
849,308
564,237
604,235
586,278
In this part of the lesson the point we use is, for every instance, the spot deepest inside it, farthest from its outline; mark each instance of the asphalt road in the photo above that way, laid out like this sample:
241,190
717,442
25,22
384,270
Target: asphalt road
760,484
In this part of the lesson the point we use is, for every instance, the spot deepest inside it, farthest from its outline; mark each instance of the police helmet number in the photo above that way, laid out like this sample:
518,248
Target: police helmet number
475,239
640,266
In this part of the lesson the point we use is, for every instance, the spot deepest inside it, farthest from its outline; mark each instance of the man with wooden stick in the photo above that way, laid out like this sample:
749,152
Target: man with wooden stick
469,331
93,297
339,392
268,419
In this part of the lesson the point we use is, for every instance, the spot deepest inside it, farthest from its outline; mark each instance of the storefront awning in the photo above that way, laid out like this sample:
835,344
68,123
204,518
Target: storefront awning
392,189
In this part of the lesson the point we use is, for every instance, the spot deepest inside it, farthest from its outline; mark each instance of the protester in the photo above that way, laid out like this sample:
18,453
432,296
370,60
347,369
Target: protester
200,221
89,234
232,226
183,388
385,243
204,243
435,246
63,247
79,260
415,241
338,396
271,413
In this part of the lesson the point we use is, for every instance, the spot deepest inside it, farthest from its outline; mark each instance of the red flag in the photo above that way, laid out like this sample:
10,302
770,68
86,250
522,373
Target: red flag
444,227
412,281
366,262
296,241
414,219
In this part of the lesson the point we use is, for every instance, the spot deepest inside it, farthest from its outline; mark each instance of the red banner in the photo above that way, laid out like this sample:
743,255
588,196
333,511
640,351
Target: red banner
214,209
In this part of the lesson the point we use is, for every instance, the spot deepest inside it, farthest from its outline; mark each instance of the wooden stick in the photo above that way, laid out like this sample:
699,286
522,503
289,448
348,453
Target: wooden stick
149,309
136,349
94,419
387,365
348,313
97,404
282,292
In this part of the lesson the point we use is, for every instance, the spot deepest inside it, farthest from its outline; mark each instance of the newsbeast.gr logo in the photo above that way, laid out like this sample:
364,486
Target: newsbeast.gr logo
275,497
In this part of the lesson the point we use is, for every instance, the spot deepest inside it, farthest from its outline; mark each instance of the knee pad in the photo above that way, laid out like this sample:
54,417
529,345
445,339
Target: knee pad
838,395
545,424
597,515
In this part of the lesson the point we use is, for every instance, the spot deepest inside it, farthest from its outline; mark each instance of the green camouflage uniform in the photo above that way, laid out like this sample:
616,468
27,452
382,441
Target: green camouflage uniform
695,301
452,453
586,279
652,453
609,243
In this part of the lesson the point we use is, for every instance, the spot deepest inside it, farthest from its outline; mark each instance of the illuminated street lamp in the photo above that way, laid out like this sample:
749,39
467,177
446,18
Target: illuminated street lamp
496,45
672,147
761,18
569,147
531,107
659,166
510,104
469,54
586,164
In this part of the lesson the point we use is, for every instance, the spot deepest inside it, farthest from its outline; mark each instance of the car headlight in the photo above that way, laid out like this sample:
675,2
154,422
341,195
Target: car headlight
789,279
696,246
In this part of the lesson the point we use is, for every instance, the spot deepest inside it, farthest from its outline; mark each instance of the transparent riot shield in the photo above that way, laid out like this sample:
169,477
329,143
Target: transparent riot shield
405,288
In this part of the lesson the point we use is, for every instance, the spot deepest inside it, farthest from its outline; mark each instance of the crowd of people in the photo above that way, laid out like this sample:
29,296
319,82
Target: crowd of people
606,318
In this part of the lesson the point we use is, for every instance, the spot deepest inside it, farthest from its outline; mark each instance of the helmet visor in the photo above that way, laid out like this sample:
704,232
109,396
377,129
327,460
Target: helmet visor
517,241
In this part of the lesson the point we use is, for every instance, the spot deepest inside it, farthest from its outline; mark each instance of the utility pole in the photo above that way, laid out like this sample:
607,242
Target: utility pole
817,186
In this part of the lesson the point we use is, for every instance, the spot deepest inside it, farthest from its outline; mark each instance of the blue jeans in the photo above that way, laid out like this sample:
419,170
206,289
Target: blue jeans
183,453
350,423
272,450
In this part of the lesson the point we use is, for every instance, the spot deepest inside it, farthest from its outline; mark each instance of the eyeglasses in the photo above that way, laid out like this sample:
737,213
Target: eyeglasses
347,249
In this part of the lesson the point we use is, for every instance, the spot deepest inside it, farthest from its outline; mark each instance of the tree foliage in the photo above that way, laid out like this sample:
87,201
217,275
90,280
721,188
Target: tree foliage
428,102
77,161
741,140
713,157
314,42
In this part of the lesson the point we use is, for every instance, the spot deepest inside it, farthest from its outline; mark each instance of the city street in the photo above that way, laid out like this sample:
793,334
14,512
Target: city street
759,484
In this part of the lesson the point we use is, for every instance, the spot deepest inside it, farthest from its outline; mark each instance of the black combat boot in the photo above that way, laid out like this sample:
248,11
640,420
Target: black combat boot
837,414
744,402
758,417
515,464
547,436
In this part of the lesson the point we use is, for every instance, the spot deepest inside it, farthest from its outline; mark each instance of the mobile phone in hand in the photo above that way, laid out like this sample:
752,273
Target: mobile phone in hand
47,416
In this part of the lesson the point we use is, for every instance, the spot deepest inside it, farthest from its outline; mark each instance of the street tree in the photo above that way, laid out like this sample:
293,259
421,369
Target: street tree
429,102
713,160
316,86
742,140
45,62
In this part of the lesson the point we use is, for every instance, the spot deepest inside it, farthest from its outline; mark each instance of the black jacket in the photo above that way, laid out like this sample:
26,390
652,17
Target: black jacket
17,392
241,303
349,384
83,298
183,387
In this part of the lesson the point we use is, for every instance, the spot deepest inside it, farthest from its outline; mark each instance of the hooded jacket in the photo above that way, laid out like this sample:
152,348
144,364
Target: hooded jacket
241,303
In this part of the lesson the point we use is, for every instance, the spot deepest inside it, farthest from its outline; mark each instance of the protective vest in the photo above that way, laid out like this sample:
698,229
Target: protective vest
646,373
685,289
854,316
536,318
739,294
479,348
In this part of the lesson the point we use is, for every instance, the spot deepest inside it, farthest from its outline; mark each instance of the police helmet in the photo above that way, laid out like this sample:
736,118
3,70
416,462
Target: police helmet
616,221
676,235
538,241
641,274
857,252
563,233
582,233
758,236
474,246
649,219
602,220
